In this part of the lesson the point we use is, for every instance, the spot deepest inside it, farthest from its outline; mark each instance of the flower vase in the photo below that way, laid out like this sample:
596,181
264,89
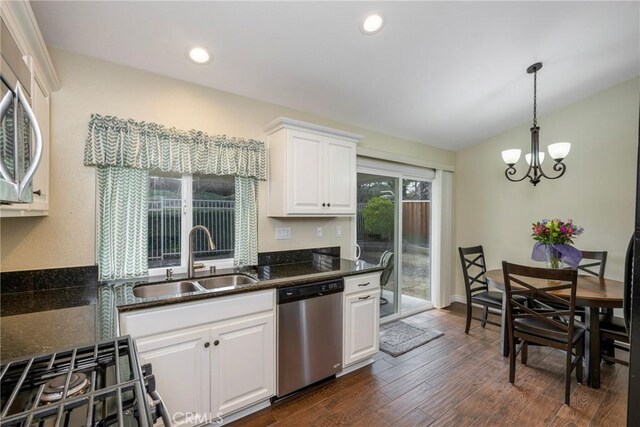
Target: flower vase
554,258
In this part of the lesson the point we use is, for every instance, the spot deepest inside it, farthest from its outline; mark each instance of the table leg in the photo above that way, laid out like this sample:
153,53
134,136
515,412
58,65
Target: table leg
504,334
592,347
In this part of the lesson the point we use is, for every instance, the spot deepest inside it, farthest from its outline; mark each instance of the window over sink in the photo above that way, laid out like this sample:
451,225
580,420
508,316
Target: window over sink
177,202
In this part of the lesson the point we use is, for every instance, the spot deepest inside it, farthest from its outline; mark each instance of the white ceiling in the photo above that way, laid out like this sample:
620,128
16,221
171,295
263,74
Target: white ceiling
447,74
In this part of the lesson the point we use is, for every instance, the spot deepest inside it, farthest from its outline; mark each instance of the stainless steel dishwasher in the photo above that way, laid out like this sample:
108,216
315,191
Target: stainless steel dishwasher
309,334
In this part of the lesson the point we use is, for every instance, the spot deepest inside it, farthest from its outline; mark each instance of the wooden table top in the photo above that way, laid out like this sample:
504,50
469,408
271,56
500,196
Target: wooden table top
591,291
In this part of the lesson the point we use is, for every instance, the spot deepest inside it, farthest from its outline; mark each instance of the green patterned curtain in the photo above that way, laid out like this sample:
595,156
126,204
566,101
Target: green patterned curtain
122,224
125,150
246,239
141,145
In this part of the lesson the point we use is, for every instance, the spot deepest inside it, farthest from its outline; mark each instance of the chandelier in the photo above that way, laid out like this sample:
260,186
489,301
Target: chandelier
557,151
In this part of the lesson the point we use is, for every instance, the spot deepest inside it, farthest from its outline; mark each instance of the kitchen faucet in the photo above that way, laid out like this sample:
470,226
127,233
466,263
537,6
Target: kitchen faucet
212,246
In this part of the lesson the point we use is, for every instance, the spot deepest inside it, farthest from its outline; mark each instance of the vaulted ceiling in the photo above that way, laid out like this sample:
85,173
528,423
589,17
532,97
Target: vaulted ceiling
449,74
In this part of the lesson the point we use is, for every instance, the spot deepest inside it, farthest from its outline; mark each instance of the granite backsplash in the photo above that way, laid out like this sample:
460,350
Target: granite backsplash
32,291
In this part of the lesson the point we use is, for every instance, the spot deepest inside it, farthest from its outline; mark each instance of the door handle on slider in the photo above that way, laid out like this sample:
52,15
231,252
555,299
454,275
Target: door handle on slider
367,297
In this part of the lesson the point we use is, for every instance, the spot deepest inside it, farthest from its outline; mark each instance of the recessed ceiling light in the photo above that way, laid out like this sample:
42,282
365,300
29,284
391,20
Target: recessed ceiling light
372,23
200,55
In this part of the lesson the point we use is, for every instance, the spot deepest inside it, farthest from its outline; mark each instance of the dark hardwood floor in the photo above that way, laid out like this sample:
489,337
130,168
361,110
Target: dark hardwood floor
456,380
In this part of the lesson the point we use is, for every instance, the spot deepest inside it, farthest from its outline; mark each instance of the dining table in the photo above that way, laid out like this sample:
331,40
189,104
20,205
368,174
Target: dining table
592,293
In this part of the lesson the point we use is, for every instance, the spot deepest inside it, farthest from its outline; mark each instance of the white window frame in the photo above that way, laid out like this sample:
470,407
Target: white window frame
186,225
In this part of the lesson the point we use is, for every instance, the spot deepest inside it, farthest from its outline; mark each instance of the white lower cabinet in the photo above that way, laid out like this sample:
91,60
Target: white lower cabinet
219,360
180,362
361,318
242,363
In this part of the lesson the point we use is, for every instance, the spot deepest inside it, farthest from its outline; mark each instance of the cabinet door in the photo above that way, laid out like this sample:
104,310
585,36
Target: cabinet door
242,363
340,175
305,153
180,364
362,312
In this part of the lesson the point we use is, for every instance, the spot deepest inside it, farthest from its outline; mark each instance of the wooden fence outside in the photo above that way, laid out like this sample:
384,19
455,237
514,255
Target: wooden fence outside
415,222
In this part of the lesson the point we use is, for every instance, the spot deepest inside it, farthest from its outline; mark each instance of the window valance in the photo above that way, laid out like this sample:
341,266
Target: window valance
112,141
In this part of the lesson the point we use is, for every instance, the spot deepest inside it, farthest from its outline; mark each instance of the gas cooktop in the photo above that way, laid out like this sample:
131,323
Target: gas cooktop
95,385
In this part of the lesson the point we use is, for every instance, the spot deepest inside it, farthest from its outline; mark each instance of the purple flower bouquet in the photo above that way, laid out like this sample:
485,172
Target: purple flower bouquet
553,243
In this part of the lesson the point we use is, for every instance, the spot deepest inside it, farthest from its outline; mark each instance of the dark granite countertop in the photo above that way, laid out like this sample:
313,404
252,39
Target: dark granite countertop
47,310
37,320
118,296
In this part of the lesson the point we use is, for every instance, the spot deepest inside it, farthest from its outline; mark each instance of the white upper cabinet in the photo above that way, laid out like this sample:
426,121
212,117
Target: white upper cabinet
312,169
21,24
306,191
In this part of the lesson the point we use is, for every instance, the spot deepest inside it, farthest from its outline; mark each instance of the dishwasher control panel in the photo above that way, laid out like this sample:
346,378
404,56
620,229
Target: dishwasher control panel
312,290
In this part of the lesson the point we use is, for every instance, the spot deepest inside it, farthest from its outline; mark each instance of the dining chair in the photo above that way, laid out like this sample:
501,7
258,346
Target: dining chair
476,286
543,326
386,261
613,335
613,332
599,263
595,266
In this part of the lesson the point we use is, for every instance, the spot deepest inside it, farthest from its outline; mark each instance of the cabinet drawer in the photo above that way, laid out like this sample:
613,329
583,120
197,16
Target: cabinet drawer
361,282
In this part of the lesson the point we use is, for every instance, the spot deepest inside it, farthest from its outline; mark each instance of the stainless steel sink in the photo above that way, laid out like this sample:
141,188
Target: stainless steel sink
228,281
164,289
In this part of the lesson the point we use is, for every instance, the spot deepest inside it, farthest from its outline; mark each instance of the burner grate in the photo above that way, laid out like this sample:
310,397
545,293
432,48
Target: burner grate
114,395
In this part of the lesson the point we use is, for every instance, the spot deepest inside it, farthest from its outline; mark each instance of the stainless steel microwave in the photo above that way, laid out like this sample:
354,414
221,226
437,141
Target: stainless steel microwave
20,136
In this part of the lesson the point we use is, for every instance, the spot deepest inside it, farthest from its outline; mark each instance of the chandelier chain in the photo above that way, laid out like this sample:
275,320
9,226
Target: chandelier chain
535,98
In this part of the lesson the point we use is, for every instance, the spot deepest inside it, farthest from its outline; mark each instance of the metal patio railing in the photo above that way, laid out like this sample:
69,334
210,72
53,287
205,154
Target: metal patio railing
165,221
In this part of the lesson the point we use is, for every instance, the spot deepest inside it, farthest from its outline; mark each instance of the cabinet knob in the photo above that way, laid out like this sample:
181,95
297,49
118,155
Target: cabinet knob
206,345
324,204
216,342
38,192
328,204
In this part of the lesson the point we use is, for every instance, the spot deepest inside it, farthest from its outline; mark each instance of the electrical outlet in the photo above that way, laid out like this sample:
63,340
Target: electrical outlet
339,231
283,233
318,231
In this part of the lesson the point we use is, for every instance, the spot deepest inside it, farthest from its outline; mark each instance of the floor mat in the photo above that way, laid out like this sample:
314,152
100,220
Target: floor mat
399,337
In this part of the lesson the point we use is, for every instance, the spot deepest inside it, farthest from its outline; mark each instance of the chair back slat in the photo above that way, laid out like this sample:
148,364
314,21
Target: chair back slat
386,261
542,284
596,268
474,269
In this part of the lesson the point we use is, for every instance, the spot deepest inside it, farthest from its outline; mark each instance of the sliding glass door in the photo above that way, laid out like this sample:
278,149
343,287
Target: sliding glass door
393,229
416,248
377,223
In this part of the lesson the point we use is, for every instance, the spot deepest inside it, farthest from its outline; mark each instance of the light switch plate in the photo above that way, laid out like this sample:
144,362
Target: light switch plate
283,233
318,231
339,231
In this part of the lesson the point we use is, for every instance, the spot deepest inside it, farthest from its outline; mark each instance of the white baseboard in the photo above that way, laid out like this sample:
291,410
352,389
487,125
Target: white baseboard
459,298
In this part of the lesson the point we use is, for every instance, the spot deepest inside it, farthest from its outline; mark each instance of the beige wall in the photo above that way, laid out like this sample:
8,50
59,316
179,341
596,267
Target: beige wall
66,236
597,191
